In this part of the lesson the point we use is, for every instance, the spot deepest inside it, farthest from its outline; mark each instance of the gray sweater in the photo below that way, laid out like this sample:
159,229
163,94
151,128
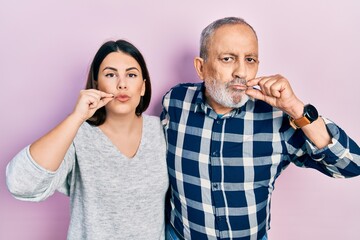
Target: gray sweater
112,196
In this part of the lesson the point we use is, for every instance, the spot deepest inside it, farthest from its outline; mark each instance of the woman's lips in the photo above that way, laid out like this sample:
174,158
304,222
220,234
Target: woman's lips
122,98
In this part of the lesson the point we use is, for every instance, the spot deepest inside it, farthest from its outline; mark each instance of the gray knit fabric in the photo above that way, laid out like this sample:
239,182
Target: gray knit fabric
112,196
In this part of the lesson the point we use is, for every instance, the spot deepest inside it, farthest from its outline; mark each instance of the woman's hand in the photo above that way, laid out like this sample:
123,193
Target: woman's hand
89,101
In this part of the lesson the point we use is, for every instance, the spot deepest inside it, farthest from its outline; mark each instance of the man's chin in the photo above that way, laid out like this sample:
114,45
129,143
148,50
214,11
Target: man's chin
240,101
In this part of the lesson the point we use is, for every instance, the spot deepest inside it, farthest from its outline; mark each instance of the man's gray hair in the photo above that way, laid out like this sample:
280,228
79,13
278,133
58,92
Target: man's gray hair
206,34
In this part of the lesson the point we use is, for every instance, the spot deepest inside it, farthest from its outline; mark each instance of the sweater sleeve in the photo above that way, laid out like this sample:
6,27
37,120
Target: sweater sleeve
28,181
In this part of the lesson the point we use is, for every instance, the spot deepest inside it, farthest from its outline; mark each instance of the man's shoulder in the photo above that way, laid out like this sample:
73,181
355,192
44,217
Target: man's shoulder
187,86
180,90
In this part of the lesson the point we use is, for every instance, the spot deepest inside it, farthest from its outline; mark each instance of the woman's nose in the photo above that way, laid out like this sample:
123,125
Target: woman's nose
121,83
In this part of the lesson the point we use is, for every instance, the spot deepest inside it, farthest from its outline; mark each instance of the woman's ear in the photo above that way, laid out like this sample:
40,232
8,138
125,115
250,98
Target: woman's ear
143,88
199,67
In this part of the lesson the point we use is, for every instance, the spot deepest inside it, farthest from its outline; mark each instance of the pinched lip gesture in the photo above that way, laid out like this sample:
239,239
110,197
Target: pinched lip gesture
276,91
89,101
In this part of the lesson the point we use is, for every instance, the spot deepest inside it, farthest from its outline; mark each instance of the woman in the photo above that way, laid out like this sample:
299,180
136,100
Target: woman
106,155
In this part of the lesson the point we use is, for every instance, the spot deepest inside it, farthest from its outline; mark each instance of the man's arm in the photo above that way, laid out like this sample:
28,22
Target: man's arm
329,149
276,91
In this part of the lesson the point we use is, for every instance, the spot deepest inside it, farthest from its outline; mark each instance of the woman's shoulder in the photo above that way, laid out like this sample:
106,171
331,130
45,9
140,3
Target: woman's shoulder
87,131
151,118
153,132
152,123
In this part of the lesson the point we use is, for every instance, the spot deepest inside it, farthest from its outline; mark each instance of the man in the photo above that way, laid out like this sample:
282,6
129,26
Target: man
230,137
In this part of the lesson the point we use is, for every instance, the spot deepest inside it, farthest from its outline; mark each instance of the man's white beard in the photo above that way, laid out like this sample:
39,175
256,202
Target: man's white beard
224,95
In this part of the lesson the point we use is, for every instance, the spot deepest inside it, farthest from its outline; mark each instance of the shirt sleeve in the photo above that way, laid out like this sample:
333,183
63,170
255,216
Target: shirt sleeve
28,181
340,159
164,116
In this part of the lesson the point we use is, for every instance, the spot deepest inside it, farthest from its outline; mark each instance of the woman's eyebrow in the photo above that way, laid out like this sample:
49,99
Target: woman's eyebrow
131,68
110,68
114,69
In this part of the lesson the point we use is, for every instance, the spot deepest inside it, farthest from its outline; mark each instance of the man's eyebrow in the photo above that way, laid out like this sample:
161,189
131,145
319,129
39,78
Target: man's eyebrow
221,55
252,55
228,53
247,55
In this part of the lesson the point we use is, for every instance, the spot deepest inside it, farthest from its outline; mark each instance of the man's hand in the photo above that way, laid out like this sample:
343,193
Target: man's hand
276,91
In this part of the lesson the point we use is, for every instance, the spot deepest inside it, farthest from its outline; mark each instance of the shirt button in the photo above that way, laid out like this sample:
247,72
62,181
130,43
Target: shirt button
215,186
218,121
215,154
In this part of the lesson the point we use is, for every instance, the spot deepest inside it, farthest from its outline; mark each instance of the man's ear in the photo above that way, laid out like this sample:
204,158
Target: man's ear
199,67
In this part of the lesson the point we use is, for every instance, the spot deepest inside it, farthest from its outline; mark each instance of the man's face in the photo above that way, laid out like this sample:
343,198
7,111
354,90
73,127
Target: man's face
232,60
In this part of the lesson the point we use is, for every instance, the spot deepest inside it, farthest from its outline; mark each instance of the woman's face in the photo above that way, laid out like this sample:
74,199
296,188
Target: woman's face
120,74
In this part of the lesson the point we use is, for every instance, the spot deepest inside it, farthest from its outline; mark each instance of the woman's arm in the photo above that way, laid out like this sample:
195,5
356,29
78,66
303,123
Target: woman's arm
49,150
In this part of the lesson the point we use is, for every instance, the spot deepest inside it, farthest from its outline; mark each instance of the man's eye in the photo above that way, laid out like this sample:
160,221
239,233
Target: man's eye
251,60
227,59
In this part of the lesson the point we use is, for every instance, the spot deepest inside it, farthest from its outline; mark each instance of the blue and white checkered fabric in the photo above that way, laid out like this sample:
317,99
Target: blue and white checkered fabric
223,169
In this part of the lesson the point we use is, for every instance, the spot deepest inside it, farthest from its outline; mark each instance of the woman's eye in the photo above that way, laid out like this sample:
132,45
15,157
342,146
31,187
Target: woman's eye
132,75
110,75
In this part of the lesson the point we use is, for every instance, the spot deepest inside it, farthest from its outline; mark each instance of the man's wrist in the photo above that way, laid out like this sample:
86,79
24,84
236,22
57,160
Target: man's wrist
309,115
297,111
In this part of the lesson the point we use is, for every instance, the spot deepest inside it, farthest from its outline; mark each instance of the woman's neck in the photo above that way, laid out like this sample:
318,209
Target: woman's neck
124,124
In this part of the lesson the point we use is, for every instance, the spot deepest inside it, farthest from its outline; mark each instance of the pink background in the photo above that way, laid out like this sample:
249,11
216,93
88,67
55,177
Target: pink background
46,48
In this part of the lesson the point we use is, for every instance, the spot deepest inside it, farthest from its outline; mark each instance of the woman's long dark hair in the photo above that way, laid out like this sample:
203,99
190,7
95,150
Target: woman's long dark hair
117,46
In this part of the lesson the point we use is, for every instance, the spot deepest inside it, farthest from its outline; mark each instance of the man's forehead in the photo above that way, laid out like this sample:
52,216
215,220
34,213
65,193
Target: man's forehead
234,37
234,49
238,27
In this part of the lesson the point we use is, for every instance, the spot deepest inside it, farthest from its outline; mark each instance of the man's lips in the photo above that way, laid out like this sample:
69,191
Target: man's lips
238,87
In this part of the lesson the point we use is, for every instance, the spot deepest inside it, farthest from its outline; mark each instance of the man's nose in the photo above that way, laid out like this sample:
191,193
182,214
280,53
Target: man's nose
240,70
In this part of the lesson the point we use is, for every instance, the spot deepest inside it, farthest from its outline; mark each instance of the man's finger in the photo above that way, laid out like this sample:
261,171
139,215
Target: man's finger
255,93
253,82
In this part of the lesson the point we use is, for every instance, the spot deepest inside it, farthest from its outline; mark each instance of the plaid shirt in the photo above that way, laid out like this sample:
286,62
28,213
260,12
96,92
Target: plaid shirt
223,168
